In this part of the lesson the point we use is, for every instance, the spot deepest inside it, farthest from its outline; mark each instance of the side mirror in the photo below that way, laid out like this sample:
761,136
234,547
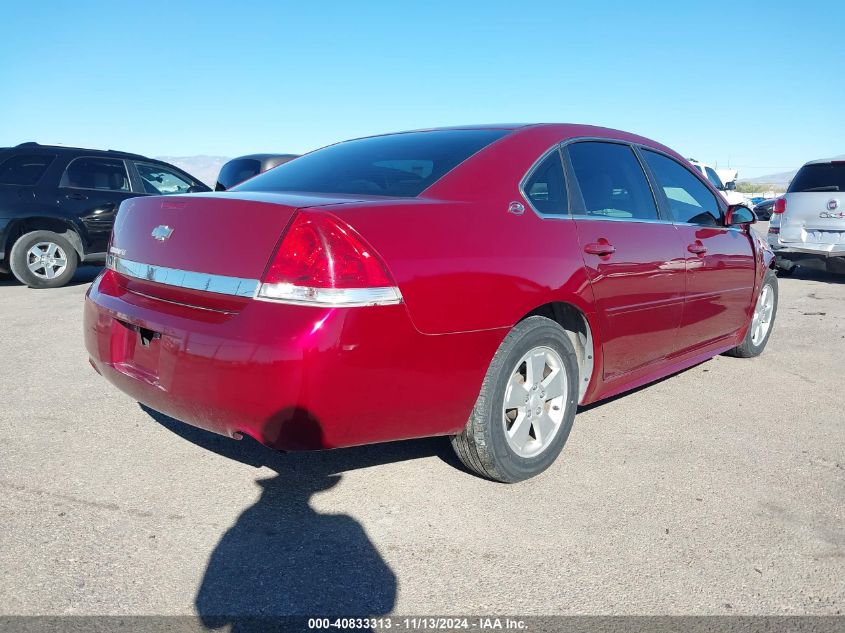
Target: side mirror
730,186
739,215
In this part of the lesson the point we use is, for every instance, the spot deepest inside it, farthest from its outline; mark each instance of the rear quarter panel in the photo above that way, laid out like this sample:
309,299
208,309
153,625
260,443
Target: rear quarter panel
464,266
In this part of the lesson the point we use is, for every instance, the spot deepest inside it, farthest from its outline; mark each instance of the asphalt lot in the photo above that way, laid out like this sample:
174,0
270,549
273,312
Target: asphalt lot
720,490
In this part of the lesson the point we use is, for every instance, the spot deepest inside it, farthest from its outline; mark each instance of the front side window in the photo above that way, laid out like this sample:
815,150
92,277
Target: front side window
713,177
159,180
546,188
819,177
107,174
24,169
612,181
689,199
401,165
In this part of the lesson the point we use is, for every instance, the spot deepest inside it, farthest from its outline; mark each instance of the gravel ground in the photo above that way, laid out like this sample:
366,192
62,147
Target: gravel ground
717,491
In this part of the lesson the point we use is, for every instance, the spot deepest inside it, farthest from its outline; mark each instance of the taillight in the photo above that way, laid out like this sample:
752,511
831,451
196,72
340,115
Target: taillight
780,205
322,261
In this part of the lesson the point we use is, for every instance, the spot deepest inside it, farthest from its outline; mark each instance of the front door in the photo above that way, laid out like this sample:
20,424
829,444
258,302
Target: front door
720,261
633,256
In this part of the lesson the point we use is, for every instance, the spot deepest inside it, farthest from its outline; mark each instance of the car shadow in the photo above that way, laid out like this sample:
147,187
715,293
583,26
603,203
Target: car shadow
283,559
595,405
83,275
812,274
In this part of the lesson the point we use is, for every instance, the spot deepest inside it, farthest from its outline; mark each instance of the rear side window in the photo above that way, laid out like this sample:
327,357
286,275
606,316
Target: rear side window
819,177
401,165
612,181
236,171
546,188
108,174
24,169
689,198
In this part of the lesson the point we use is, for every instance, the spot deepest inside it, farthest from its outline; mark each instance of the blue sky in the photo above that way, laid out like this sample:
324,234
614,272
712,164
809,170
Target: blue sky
759,85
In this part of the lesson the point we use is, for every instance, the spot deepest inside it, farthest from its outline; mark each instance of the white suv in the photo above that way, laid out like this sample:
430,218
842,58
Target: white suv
808,222
728,190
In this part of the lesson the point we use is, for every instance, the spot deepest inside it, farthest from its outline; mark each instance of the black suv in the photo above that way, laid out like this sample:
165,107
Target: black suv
58,204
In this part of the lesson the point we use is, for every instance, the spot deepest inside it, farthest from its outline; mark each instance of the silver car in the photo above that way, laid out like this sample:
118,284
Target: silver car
808,223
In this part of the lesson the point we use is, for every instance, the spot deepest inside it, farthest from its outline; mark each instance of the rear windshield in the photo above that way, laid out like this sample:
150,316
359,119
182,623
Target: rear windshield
236,171
402,165
819,177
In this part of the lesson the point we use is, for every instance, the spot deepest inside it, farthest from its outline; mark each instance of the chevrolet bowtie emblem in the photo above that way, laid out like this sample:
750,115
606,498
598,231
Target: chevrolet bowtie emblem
162,232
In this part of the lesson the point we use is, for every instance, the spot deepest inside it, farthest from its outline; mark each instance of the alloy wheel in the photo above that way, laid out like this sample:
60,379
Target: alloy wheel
762,320
535,401
46,260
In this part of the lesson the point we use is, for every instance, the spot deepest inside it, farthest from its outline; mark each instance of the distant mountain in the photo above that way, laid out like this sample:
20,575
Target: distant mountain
203,167
782,178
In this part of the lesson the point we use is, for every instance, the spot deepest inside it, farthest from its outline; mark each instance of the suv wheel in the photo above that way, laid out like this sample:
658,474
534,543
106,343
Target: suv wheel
43,259
526,407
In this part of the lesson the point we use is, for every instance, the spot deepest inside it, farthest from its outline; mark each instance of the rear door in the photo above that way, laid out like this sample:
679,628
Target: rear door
632,255
92,189
720,261
815,209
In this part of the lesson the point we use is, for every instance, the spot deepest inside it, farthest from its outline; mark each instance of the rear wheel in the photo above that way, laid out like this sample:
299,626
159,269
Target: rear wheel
526,407
43,259
765,311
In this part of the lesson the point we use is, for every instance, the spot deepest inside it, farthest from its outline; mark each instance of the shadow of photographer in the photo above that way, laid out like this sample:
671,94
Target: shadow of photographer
281,557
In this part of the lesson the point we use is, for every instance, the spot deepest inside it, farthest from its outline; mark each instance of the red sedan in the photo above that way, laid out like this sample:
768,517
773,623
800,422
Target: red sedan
475,282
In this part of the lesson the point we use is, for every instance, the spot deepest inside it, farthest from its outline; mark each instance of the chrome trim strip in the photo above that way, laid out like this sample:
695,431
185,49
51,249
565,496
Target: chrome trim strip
220,284
602,218
254,289
329,297
635,147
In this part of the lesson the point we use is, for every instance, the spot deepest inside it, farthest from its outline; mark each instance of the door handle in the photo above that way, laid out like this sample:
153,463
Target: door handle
76,196
697,249
602,248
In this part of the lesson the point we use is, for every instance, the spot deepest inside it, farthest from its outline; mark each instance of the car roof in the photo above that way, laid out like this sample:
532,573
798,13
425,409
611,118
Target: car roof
262,157
561,130
823,161
75,150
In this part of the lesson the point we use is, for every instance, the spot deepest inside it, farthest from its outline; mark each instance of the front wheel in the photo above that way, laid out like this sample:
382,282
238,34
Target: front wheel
765,311
526,407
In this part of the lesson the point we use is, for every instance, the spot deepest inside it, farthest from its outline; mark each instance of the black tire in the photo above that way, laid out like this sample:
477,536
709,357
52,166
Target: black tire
19,259
747,349
785,272
482,446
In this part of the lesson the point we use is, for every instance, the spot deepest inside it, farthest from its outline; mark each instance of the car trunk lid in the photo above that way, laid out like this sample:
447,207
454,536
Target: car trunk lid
201,249
815,205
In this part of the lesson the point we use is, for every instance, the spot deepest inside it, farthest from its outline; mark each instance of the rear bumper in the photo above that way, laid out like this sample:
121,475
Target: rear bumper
293,377
819,250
